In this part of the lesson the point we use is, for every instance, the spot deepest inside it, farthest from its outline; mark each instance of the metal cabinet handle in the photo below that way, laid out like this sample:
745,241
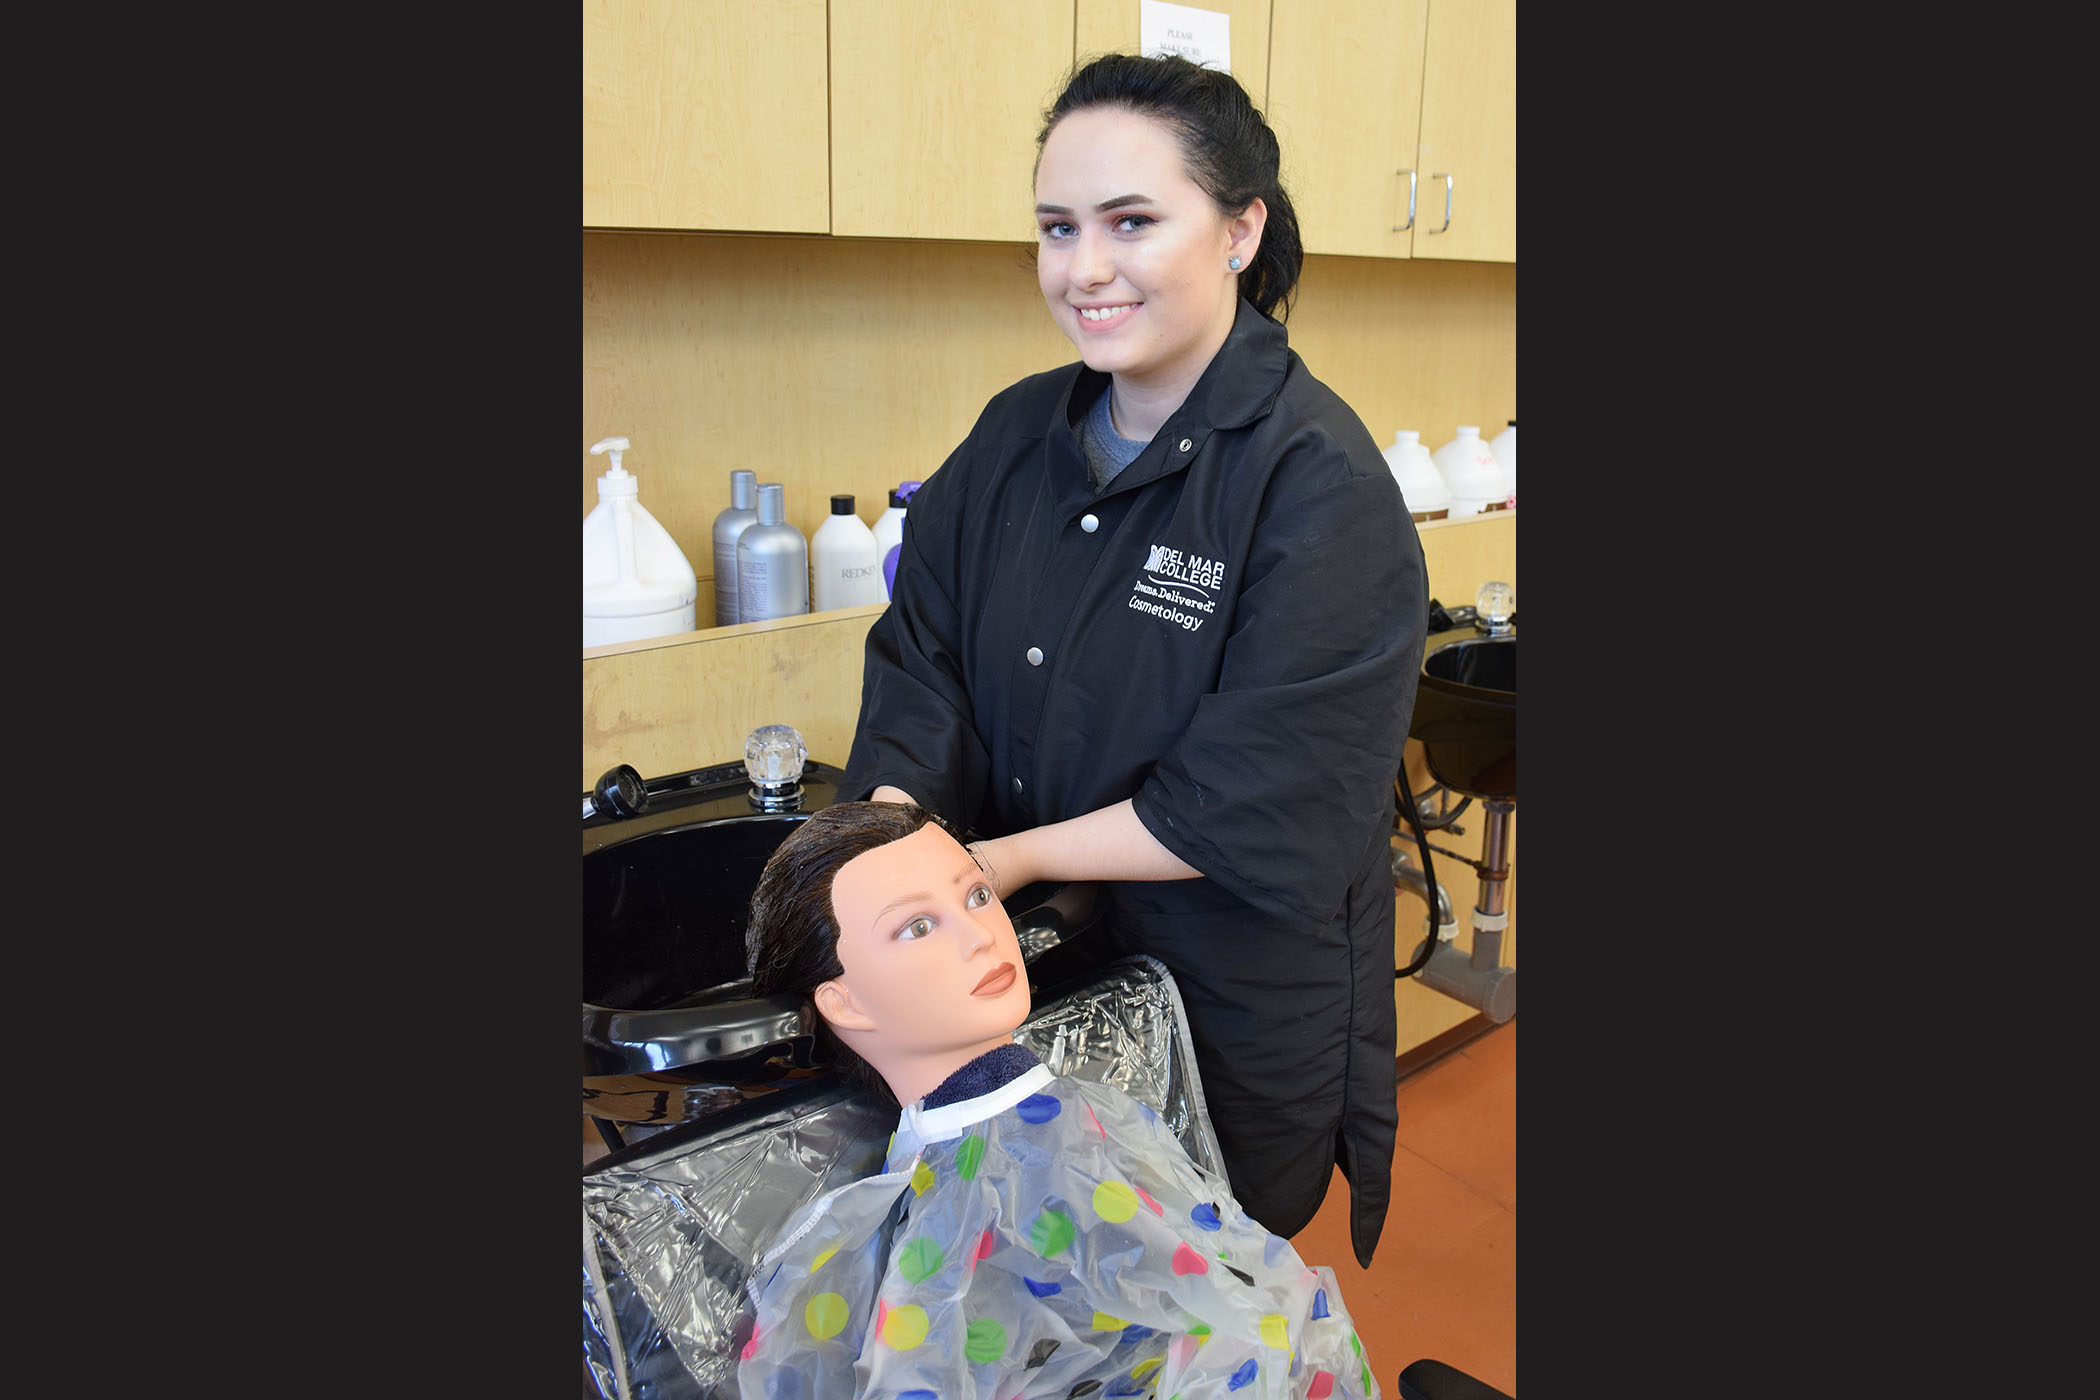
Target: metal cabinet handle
1448,182
1403,228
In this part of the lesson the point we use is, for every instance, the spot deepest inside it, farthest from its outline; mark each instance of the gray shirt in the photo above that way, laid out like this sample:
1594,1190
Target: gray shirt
1107,451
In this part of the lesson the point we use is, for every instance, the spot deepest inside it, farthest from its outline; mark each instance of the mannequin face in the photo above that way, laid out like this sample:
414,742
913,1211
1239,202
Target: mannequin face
933,973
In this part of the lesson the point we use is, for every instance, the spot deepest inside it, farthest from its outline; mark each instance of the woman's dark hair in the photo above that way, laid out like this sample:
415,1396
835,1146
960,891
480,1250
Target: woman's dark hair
792,938
1231,152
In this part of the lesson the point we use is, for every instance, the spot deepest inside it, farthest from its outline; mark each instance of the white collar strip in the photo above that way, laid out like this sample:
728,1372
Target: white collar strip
947,1121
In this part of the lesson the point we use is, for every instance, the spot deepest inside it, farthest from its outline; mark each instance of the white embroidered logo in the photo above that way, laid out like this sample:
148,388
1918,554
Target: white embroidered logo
1173,581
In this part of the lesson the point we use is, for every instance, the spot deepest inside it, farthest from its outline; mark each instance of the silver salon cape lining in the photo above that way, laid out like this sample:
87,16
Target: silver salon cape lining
1048,1239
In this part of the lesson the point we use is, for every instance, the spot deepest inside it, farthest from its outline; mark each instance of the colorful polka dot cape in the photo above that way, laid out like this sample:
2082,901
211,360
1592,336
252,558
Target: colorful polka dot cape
1047,1239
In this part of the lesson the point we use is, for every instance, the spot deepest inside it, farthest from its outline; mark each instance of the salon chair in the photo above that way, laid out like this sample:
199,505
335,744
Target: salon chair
672,1224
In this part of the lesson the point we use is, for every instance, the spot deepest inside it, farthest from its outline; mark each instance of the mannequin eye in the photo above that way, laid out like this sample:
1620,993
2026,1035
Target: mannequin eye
980,896
917,928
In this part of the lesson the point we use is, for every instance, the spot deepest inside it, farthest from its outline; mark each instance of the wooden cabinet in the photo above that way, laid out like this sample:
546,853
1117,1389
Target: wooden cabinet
1345,97
705,114
1469,133
935,105
1366,95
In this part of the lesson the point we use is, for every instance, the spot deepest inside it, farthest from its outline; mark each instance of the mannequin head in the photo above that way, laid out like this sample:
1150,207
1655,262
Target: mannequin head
876,913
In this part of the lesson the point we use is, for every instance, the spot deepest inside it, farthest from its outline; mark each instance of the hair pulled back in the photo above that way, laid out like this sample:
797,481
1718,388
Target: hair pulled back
1232,154
791,940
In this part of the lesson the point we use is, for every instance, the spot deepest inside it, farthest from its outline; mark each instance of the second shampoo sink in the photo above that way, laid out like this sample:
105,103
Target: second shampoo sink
1466,711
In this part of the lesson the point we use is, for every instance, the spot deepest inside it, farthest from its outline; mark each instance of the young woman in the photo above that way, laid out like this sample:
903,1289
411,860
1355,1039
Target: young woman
1158,620
1028,1234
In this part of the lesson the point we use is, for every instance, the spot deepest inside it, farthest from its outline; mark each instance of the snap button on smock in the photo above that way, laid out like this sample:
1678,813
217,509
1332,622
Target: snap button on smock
1184,444
1035,656
1017,785
1090,523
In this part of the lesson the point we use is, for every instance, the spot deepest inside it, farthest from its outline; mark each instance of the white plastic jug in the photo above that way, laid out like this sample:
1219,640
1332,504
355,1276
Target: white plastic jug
1476,479
1421,484
637,582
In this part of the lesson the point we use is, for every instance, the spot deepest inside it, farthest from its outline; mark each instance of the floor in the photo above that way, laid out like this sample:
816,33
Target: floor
1443,1280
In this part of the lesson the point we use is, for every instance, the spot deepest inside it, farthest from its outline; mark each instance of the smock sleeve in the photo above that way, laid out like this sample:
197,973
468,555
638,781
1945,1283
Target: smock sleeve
916,729
1287,766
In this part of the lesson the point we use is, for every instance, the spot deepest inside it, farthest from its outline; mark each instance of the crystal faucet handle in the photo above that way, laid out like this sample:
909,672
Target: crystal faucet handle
775,754
1495,602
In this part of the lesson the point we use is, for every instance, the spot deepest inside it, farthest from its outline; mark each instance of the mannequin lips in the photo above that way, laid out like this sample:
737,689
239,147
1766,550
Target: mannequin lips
995,981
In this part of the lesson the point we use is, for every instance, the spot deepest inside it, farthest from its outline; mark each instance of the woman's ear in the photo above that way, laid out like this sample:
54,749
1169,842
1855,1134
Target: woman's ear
834,1002
1243,232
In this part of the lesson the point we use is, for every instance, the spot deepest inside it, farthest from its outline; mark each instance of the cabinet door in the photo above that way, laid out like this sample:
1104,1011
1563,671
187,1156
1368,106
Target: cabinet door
1345,88
1469,132
935,105
704,114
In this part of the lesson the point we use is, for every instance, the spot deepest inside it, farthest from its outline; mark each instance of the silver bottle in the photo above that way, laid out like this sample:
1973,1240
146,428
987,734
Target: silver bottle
743,493
772,562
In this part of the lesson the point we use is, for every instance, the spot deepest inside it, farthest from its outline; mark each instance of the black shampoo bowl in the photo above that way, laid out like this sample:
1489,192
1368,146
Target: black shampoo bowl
1466,712
671,1032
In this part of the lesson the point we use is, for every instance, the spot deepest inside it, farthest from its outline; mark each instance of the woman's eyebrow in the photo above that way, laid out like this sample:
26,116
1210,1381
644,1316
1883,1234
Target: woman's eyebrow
1104,206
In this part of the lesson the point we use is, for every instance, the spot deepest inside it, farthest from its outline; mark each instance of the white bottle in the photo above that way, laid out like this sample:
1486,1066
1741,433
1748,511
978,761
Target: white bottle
844,569
889,530
1421,484
1476,479
1504,446
772,562
742,512
636,580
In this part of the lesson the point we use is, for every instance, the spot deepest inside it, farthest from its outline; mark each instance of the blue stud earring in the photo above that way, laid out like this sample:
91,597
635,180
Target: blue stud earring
1234,264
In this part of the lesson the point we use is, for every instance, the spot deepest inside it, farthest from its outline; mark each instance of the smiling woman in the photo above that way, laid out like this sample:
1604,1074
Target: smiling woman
1157,623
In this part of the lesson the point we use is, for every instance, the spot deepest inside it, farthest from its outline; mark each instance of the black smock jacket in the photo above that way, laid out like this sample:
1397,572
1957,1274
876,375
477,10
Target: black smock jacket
1229,633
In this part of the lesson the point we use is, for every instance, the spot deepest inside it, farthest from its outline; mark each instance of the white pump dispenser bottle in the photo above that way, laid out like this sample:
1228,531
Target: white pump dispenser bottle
637,582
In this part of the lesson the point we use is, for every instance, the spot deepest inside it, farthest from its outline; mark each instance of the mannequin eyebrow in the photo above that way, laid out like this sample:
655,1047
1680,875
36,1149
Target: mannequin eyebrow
882,915
1104,206
964,875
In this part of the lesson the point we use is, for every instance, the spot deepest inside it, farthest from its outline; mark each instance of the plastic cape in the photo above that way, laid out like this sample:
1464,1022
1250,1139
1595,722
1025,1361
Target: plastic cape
1048,1239
675,1224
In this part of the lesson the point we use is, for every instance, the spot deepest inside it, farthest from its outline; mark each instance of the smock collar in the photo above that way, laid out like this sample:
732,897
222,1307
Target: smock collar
1238,386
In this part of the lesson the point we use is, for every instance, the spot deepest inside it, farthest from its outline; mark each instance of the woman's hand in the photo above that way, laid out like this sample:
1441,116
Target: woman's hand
1109,844
991,864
